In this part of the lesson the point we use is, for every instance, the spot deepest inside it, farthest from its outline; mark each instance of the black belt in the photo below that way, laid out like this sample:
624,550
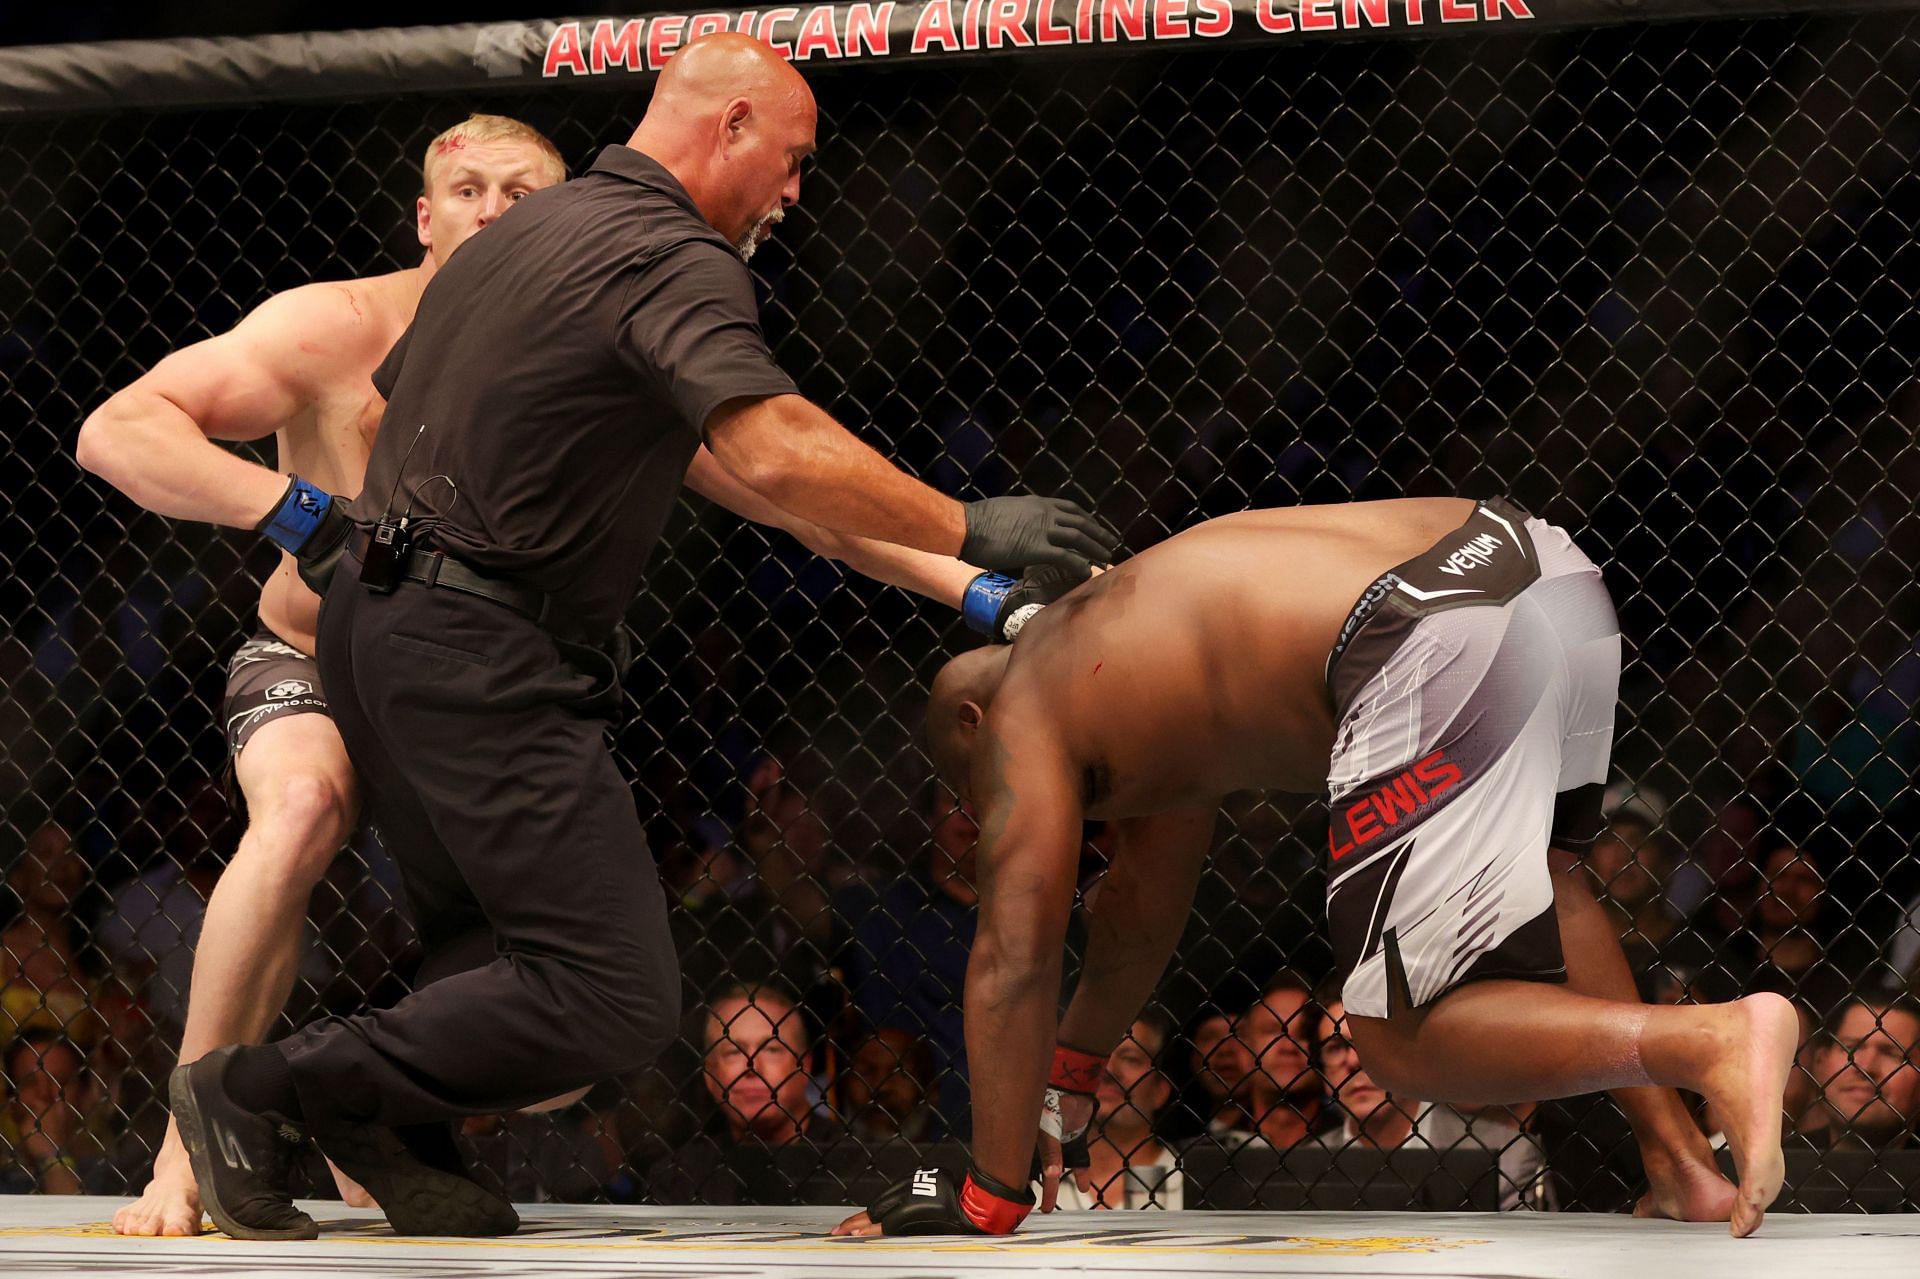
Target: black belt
436,568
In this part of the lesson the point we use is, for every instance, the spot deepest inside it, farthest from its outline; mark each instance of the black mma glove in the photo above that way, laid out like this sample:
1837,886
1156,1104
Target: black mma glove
929,1203
1075,1072
309,525
1009,534
998,606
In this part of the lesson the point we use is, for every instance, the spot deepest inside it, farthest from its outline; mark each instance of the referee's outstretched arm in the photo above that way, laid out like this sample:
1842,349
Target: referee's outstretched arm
940,578
792,452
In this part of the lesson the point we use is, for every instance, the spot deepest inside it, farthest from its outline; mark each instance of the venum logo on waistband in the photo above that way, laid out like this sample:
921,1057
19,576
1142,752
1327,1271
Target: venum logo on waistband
1362,610
1475,554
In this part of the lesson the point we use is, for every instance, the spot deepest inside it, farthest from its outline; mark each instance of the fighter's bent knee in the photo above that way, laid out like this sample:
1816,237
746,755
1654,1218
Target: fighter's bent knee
1377,1042
310,800
647,1026
299,822
621,1006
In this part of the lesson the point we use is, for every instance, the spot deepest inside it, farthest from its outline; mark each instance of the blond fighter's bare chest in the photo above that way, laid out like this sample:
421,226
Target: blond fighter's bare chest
329,442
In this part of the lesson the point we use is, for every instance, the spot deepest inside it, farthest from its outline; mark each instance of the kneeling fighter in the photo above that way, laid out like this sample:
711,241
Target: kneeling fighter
1459,715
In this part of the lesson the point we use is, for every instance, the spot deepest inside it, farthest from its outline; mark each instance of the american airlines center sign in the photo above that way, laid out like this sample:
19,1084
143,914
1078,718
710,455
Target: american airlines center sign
608,51
887,30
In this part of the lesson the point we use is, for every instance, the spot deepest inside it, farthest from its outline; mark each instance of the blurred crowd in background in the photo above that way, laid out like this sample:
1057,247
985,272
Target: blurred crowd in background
824,985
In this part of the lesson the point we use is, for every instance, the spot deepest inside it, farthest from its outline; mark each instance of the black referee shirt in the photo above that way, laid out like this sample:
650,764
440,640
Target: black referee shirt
563,363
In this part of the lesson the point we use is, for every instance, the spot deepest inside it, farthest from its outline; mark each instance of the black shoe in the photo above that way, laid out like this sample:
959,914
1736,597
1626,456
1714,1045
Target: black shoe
241,1158
422,1185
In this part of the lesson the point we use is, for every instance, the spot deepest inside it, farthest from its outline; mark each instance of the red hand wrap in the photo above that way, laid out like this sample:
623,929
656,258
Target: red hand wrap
1074,1070
992,1212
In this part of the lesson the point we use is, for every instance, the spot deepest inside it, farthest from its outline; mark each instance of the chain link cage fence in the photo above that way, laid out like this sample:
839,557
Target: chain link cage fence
1655,282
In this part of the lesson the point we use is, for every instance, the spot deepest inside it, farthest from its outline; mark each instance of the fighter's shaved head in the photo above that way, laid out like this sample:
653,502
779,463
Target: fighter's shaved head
731,120
961,693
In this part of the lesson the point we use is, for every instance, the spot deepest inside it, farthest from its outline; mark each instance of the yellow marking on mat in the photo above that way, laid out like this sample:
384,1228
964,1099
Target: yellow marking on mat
644,1239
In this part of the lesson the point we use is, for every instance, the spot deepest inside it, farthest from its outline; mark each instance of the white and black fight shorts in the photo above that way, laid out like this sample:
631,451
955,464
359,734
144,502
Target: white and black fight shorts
1474,690
268,679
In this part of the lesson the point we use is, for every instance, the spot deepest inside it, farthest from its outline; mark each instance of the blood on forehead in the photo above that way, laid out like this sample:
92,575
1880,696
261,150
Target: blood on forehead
453,142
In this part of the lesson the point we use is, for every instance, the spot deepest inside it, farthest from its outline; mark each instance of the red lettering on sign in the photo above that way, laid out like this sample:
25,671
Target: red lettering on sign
970,24
563,51
663,37
764,33
1518,8
705,24
1316,15
818,34
1458,11
936,26
615,48
1123,18
1217,19
1083,21
867,25
1045,29
1373,12
1006,27
1169,20
1272,19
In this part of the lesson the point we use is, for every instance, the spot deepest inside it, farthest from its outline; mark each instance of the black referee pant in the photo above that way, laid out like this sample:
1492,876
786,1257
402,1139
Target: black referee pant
480,742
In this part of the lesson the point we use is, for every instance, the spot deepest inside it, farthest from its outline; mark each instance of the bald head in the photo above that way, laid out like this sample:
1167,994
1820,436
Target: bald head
713,69
956,705
731,120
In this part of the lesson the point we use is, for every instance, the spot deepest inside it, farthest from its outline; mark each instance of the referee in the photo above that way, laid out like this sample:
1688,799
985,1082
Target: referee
559,375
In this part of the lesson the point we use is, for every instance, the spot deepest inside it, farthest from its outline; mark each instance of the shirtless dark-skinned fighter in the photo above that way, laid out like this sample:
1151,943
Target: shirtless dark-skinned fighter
1459,716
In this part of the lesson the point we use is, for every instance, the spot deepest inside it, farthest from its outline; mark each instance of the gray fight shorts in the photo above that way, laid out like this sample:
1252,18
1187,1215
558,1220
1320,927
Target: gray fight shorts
268,679
1474,690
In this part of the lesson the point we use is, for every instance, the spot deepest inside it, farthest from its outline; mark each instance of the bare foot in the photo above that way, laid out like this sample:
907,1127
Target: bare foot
170,1205
1686,1190
352,1193
1748,1083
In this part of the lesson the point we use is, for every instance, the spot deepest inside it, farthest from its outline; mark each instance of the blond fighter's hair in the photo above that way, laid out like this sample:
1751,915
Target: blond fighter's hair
490,128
